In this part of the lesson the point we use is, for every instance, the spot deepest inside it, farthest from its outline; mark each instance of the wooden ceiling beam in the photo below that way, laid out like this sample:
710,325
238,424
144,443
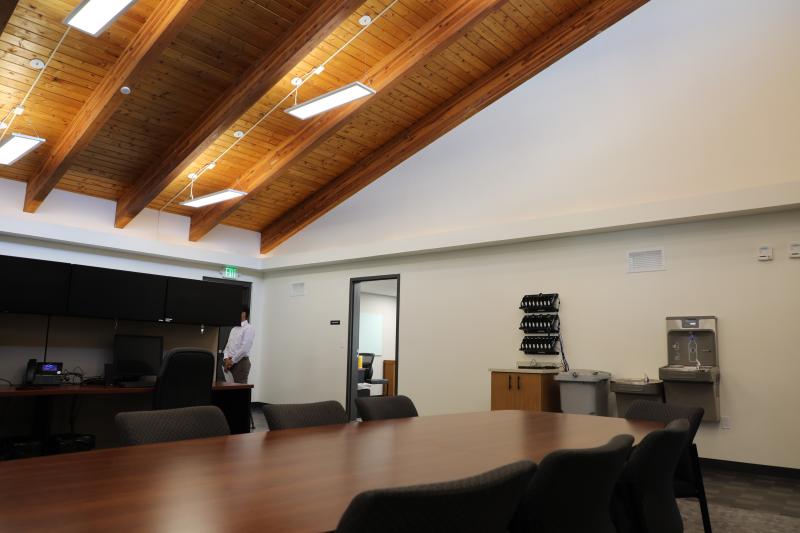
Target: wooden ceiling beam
320,21
160,28
531,60
7,7
433,36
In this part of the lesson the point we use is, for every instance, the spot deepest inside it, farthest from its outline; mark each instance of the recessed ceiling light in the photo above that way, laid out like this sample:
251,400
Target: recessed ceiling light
213,198
366,20
3,125
211,166
19,110
193,176
327,101
297,81
125,90
37,64
17,145
238,134
95,16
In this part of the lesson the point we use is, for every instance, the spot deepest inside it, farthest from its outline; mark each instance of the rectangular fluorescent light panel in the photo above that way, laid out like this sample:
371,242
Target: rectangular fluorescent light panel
94,16
213,198
17,145
327,101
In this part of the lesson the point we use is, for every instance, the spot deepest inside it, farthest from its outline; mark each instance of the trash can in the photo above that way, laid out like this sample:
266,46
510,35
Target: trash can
584,392
628,391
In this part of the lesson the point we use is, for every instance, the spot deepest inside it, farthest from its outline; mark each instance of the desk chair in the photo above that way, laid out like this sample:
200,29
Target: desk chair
302,415
688,476
185,379
367,361
645,500
484,503
385,407
147,427
572,490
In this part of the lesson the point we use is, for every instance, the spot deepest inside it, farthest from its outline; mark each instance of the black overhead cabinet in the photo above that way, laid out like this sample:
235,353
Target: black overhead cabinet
106,293
30,286
203,302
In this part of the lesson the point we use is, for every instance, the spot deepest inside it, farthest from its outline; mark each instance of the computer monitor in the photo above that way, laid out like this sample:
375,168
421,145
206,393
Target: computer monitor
137,356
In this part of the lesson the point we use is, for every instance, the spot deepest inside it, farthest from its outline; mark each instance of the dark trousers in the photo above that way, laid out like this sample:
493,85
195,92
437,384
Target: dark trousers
241,370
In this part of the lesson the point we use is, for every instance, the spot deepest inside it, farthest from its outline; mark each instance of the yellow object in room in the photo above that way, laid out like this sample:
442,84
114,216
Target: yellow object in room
360,362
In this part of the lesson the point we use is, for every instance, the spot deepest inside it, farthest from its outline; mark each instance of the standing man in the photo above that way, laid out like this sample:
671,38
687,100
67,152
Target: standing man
237,351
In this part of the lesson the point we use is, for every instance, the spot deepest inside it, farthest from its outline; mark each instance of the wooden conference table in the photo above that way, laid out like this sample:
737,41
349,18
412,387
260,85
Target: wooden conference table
280,481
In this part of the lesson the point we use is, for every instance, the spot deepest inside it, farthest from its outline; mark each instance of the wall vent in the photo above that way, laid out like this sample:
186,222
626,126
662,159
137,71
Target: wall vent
297,288
646,260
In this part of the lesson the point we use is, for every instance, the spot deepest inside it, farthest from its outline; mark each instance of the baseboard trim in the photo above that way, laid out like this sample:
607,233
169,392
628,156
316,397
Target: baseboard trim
750,468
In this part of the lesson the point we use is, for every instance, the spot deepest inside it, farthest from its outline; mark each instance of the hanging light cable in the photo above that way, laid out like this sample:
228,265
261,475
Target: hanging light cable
298,82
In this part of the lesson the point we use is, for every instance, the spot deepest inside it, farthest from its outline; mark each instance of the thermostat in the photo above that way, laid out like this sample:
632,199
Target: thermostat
794,250
765,253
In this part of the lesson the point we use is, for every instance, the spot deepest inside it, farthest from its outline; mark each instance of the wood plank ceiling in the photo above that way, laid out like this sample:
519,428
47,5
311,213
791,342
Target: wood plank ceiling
435,63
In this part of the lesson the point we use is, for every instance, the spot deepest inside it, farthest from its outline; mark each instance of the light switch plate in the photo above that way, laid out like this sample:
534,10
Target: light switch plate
794,250
765,253
725,422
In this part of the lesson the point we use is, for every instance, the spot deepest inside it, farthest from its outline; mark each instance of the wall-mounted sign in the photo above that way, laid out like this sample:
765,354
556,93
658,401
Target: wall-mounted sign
230,272
336,322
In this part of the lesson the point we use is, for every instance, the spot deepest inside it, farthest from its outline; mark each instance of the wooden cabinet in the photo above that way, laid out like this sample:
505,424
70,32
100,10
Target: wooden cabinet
525,391
390,374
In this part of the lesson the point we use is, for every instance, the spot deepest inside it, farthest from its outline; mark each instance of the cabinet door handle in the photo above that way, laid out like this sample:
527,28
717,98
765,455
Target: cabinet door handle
518,387
509,382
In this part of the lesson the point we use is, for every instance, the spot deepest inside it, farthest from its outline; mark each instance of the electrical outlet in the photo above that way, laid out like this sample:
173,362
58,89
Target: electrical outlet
725,422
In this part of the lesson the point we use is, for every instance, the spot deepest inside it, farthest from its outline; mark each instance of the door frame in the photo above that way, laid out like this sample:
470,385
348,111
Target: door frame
247,287
350,400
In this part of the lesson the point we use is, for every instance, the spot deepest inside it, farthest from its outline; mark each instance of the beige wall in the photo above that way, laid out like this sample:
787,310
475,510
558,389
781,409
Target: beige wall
459,317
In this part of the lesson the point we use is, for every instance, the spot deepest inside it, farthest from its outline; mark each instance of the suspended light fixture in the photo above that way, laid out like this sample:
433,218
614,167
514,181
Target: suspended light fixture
213,198
95,16
17,145
325,102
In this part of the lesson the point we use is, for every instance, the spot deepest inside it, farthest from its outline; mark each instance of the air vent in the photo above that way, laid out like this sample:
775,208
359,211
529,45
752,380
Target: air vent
298,288
646,260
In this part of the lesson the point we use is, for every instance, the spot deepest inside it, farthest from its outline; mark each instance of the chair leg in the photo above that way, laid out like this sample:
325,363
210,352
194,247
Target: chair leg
701,490
252,422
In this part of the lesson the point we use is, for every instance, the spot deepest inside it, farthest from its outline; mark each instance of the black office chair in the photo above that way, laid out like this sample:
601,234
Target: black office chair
480,504
166,425
185,379
573,489
301,415
645,500
688,475
385,407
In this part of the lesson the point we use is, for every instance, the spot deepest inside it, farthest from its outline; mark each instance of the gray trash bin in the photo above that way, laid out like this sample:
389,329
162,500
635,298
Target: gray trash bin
629,390
584,392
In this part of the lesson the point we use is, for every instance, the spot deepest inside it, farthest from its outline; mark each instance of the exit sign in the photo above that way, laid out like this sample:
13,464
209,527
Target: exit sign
230,272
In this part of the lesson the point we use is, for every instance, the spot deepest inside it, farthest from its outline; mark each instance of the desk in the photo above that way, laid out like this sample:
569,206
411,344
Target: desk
232,398
280,481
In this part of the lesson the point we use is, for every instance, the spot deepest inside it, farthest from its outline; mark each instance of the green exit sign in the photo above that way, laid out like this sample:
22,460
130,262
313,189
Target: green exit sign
230,272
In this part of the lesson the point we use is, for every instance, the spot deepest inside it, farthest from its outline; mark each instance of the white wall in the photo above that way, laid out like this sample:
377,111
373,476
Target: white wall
21,338
384,307
459,317
682,109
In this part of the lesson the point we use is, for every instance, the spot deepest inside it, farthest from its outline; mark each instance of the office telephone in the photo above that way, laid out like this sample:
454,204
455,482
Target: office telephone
43,373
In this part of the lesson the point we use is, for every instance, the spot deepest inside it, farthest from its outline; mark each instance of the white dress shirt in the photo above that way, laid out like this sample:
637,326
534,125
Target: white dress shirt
240,342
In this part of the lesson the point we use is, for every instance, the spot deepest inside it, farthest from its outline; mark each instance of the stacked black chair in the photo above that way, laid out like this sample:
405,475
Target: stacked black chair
166,425
572,490
482,504
645,500
385,407
688,475
185,379
301,415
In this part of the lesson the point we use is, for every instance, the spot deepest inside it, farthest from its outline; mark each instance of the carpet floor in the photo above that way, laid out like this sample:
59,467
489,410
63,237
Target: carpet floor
726,519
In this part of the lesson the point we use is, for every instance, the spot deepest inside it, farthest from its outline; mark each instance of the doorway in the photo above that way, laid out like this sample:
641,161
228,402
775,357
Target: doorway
373,353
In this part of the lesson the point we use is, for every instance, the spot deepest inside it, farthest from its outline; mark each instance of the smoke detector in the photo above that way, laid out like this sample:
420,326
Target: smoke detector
37,64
